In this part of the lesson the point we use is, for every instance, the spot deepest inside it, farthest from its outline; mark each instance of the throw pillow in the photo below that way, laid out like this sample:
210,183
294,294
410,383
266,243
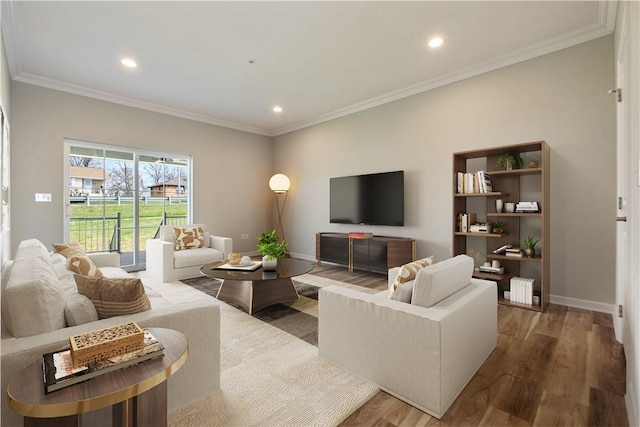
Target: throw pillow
189,237
68,249
407,273
114,297
79,310
82,265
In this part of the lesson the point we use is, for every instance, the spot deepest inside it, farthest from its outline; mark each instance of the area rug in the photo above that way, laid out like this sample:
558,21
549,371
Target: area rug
270,377
298,318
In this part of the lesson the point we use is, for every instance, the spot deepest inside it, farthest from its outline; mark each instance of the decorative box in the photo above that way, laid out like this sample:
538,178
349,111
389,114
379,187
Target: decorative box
98,345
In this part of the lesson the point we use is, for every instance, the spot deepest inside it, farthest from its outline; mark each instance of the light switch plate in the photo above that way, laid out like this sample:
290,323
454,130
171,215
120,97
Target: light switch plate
43,197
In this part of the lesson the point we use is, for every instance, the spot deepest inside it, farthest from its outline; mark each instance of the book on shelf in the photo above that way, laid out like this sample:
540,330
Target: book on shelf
58,371
465,220
517,254
524,207
477,182
492,270
502,249
521,289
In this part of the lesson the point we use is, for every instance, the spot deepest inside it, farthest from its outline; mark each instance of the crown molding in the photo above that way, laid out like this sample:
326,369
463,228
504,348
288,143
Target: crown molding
131,102
561,42
10,38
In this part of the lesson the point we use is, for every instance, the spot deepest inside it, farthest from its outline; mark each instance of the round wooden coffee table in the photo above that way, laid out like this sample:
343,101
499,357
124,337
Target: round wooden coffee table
137,394
255,290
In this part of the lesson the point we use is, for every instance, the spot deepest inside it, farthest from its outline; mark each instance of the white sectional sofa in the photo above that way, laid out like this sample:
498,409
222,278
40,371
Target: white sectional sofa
171,307
167,264
425,351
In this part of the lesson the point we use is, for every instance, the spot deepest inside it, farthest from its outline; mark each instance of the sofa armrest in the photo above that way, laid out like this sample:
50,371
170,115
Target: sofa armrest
105,259
160,263
223,244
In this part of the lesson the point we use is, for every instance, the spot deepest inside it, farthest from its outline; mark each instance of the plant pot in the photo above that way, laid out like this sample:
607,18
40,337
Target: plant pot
269,264
529,252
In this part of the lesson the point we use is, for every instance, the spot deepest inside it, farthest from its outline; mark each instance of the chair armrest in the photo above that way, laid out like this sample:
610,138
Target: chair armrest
223,244
105,259
160,263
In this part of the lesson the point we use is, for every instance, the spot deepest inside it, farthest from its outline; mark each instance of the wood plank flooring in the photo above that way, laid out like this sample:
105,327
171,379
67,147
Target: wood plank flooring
563,367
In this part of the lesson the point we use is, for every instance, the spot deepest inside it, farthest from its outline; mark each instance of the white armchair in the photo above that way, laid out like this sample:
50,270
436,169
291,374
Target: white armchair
167,264
423,352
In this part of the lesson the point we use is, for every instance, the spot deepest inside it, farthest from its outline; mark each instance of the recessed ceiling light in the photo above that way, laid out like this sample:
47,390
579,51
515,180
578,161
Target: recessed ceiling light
277,109
128,62
435,42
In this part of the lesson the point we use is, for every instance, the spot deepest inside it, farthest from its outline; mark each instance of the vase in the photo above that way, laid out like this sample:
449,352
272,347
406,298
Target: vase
498,205
269,264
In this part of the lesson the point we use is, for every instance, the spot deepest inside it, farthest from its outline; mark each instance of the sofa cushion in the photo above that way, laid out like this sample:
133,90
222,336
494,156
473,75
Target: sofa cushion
79,310
189,238
82,264
404,292
68,249
64,275
114,297
202,256
32,302
438,281
407,273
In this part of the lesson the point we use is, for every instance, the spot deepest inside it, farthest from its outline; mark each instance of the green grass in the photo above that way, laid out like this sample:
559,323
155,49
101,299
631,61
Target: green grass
95,235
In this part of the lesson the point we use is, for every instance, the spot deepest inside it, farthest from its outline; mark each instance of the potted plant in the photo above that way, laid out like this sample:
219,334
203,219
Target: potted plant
270,249
497,227
509,161
529,246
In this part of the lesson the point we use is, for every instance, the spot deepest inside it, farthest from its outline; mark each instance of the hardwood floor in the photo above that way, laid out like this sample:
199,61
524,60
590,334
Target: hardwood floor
558,368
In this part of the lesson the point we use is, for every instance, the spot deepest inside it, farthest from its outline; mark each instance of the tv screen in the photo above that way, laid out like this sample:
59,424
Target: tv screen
373,199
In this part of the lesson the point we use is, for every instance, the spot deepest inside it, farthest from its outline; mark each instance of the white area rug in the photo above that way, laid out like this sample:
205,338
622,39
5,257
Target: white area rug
270,378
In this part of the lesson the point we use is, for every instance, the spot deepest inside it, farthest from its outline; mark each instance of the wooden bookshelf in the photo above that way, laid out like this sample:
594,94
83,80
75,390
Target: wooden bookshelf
524,184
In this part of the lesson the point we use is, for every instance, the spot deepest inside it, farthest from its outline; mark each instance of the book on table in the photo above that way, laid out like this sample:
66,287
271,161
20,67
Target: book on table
58,371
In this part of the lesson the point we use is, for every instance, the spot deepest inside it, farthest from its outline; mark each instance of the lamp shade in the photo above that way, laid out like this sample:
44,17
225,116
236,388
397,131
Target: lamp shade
279,183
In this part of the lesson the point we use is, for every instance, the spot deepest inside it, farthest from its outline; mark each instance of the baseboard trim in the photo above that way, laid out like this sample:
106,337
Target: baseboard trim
584,304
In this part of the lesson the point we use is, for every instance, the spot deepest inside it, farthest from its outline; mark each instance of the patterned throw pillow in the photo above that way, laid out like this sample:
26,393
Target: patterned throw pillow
82,265
68,249
189,237
407,273
114,297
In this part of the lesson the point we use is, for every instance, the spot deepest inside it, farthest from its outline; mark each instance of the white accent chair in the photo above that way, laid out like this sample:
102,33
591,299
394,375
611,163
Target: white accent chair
166,264
424,351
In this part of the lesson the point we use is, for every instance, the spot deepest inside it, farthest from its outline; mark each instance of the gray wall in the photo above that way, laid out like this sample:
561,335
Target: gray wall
560,98
231,169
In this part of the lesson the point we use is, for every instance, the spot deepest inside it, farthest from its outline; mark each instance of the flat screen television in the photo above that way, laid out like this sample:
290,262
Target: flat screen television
373,199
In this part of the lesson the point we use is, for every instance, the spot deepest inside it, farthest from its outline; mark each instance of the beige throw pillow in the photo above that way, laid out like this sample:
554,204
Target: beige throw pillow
407,273
114,297
188,237
68,249
82,264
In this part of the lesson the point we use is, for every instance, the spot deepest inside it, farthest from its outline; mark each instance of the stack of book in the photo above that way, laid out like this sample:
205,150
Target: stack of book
514,252
492,270
502,249
521,290
360,235
58,370
530,207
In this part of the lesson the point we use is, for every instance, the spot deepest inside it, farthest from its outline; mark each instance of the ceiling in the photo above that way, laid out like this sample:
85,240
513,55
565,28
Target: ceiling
230,63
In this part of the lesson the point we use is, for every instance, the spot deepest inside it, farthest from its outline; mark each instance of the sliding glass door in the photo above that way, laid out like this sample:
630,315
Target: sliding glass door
117,197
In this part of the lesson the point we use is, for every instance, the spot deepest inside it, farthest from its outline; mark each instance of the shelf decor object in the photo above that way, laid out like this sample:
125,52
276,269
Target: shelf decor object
526,188
92,347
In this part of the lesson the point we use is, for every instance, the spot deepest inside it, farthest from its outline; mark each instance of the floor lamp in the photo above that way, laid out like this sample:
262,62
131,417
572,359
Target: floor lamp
280,184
